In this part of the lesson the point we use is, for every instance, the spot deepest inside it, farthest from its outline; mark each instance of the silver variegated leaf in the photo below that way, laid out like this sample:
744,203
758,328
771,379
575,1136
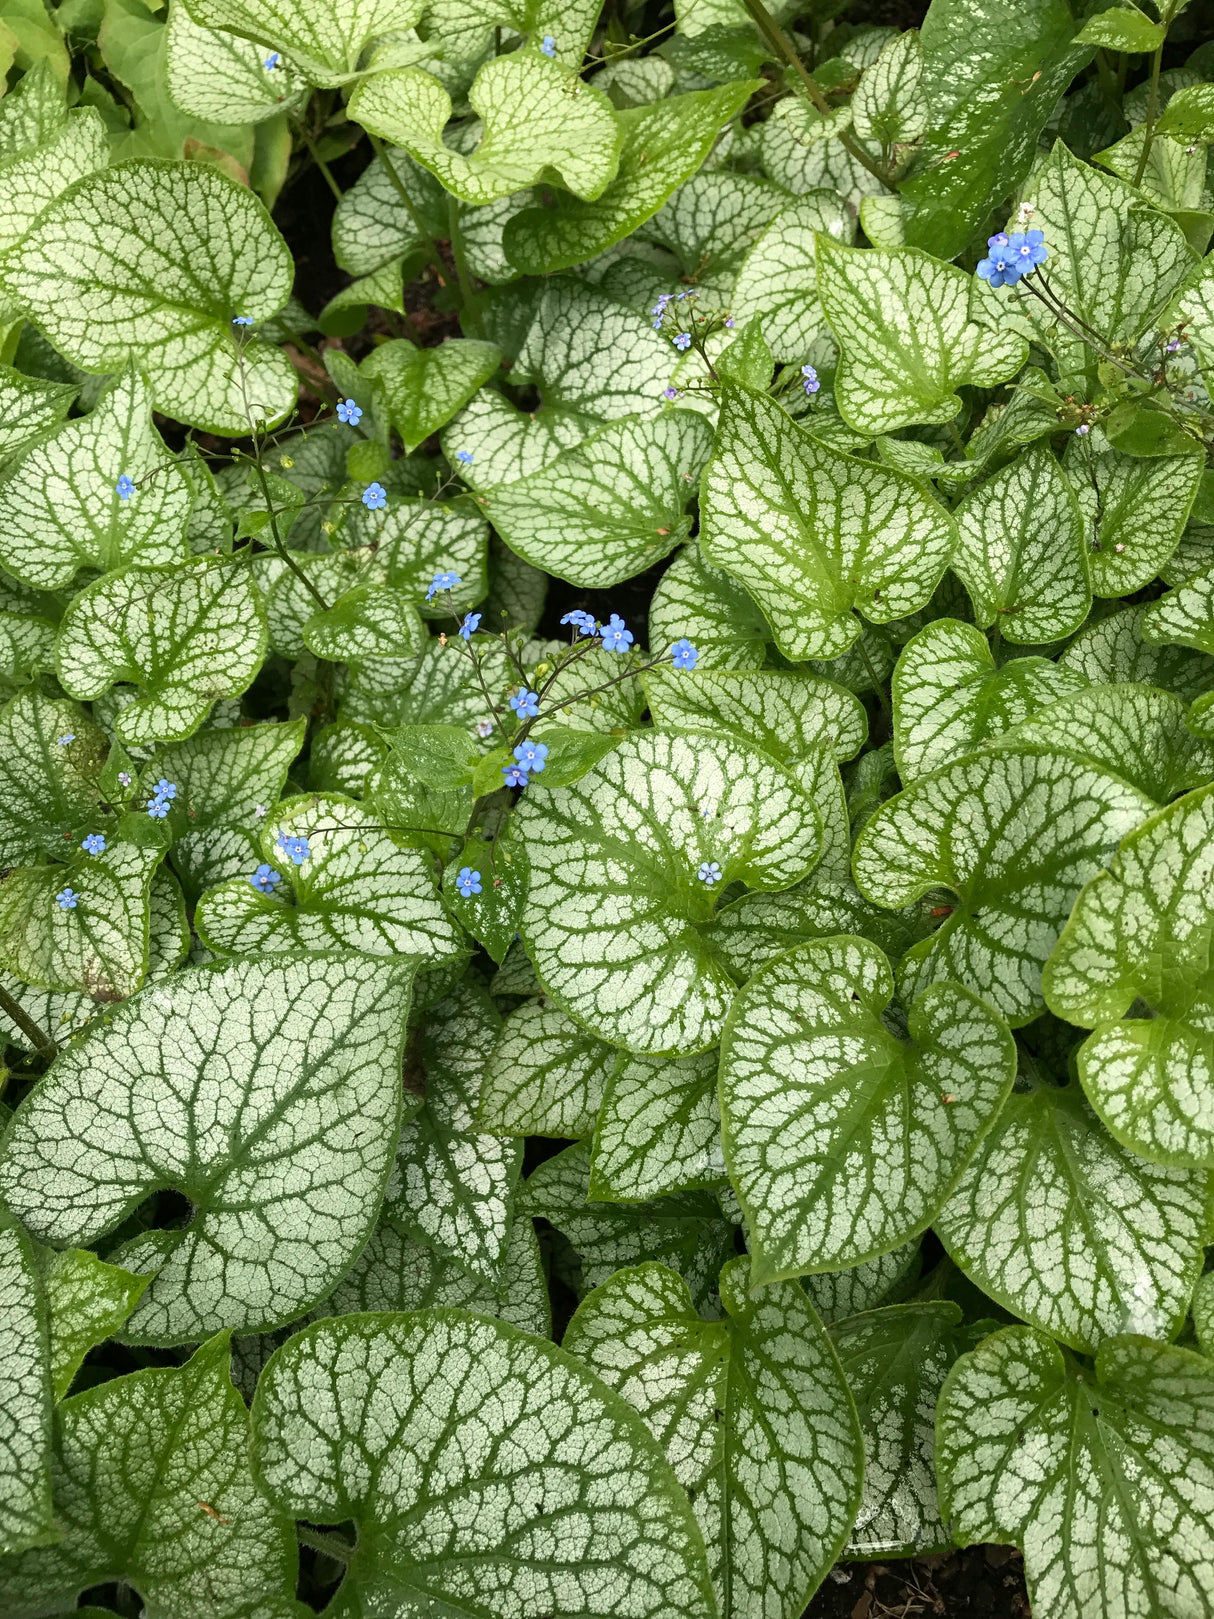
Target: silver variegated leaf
324,38
26,1513
778,281
544,1076
754,1414
658,1129
843,1139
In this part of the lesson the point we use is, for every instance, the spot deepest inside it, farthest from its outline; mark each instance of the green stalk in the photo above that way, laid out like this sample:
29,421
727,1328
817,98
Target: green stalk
784,49
41,1042
398,185
1152,118
467,291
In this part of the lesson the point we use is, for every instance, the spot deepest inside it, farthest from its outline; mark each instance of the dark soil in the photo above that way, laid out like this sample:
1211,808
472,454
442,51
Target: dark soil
982,1582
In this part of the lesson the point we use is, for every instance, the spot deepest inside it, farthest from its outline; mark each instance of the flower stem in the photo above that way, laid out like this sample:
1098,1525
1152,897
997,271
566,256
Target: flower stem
1148,139
398,185
41,1041
467,291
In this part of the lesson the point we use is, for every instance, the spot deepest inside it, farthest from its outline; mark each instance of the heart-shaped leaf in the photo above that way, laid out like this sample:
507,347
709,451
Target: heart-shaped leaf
1122,647
153,1489
842,1139
545,1076
949,695
423,388
683,1230
788,715
1140,931
453,1184
183,635
1033,1450
507,444
658,1129
624,866
812,533
60,509
704,604
1015,835
207,251
663,145
895,1361
1134,510
589,354
1133,731
50,759
538,118
223,78
84,926
27,1515
86,1301
31,182
324,38
1184,615
355,889
370,621
1070,1231
755,1415
306,1136
442,1523
907,335
1020,551
778,280
611,507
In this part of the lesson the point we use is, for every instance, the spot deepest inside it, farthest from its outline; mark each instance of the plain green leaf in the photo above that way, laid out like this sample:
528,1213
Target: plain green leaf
611,507
906,328
446,1436
1122,29
812,533
538,117
1104,1478
615,912
754,1414
842,1139
1015,835
147,1100
208,251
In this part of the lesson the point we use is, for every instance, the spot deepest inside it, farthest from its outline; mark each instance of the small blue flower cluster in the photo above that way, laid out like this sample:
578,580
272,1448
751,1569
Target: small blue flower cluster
125,487
811,380
265,879
583,623
68,736
296,849
614,635
709,873
1012,256
163,795
242,320
529,760
464,457
442,581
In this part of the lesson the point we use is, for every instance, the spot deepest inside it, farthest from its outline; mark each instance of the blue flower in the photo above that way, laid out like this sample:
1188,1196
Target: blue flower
375,497
683,655
265,879
1003,268
709,872
165,789
158,808
532,756
242,320
296,849
526,704
811,379
348,410
442,581
125,487
683,342
515,775
549,45
67,898
272,61
94,843
468,882
1083,430
729,323
1027,249
464,457
472,621
659,309
671,393
583,623
615,637
68,736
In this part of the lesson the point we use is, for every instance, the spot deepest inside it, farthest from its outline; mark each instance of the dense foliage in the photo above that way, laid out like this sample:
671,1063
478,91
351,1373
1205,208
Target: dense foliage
731,730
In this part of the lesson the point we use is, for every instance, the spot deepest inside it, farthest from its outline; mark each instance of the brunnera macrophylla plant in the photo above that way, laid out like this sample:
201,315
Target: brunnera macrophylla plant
685,663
